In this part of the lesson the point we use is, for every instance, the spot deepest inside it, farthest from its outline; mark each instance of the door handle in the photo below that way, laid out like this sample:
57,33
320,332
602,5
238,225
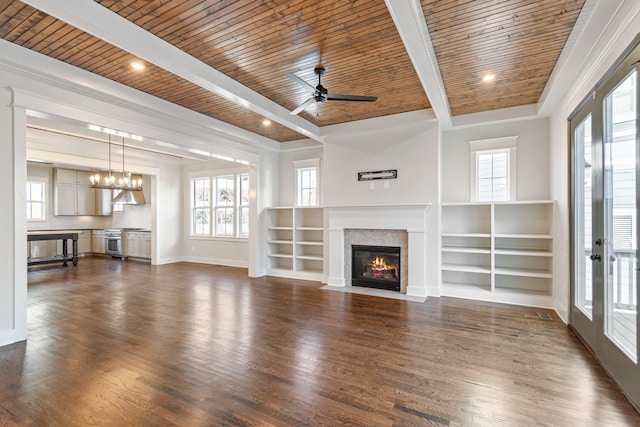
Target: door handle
595,257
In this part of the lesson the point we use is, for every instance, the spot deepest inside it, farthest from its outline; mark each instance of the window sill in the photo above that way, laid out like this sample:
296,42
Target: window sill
220,238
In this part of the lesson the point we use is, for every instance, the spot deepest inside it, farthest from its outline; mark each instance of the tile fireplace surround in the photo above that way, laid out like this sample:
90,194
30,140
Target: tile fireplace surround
411,218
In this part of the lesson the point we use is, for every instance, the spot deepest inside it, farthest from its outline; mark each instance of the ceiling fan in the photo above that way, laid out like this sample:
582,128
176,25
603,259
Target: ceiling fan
319,94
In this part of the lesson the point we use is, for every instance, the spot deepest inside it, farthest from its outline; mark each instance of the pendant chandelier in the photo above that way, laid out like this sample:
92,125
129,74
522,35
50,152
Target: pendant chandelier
116,181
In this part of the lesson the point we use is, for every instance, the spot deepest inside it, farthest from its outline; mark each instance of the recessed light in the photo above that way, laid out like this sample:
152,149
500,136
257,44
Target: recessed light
136,65
489,77
266,122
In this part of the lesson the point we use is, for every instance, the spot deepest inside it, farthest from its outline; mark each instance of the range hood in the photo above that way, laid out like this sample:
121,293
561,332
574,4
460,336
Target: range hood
130,197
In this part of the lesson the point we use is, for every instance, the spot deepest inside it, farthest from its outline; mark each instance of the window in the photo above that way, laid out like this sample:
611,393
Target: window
220,206
493,175
224,203
492,181
243,205
36,200
307,188
201,206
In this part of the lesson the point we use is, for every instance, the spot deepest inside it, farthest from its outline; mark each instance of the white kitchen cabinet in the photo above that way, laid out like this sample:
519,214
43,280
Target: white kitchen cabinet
72,194
295,244
501,252
137,244
97,241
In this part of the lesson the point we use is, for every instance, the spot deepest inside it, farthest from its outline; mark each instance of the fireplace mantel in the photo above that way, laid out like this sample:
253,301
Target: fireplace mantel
411,217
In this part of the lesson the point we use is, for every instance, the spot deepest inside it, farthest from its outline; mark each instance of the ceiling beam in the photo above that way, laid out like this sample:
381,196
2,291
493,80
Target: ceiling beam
412,27
100,22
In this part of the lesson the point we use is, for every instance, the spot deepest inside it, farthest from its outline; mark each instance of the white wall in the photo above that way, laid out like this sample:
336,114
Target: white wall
287,174
532,156
411,147
211,250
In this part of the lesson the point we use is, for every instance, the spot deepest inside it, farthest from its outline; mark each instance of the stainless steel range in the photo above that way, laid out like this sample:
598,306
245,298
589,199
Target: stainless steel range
113,242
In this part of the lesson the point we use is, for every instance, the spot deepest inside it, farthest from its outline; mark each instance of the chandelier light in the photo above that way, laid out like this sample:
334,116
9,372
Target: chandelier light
109,181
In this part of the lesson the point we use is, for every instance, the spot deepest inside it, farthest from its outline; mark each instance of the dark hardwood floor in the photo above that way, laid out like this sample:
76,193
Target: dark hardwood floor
124,343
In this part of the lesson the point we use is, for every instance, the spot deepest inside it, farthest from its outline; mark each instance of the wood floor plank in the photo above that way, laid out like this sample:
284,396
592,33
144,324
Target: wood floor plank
127,343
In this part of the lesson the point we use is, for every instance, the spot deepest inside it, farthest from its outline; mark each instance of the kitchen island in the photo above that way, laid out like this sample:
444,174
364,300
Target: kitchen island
64,258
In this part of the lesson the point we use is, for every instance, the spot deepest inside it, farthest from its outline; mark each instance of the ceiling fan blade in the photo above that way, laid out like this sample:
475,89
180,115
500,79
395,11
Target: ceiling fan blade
338,97
303,106
302,83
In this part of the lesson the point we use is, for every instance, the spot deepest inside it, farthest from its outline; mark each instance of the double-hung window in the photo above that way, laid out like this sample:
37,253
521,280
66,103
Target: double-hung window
493,173
307,182
35,199
220,205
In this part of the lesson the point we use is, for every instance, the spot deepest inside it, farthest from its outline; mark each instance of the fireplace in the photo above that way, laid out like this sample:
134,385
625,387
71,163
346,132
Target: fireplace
375,267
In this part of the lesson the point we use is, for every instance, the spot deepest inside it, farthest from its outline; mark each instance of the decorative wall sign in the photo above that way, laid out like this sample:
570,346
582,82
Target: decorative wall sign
368,176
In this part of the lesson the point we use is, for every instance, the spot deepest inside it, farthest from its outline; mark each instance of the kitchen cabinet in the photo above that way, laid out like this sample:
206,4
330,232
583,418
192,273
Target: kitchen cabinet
72,194
97,241
137,244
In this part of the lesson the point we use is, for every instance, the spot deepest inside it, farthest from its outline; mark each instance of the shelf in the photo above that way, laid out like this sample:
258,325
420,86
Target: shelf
466,268
448,234
500,252
279,255
523,272
523,236
300,228
523,252
465,250
311,257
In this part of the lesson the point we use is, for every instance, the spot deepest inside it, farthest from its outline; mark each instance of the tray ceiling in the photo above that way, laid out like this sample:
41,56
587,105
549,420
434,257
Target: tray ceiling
257,43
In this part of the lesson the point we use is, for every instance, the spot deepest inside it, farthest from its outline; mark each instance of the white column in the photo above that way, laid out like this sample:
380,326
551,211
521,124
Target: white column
417,248
336,257
13,251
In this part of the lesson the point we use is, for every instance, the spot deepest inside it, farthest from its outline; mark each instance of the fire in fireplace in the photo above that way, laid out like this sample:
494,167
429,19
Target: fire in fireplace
376,267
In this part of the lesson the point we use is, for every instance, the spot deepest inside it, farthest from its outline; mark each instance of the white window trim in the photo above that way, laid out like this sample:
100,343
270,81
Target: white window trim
210,174
493,145
307,163
47,198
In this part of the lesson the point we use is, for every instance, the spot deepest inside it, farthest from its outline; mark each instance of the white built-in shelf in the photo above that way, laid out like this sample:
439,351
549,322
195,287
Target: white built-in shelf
466,250
523,272
523,252
302,230
466,268
279,255
499,252
523,236
311,257
451,234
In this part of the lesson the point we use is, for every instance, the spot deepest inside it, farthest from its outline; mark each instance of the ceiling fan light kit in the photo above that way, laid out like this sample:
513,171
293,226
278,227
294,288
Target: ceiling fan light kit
320,94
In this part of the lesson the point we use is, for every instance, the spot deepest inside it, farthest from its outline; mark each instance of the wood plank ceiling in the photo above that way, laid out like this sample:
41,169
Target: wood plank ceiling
258,43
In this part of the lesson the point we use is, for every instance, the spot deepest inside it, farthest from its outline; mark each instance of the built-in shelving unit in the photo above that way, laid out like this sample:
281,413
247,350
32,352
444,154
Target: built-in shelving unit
295,242
500,252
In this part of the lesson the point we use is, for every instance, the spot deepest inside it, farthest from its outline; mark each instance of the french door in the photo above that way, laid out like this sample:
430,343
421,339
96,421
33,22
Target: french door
606,189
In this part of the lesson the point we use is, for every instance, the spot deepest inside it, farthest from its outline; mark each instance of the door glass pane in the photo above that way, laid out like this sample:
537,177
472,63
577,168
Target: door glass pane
621,216
583,218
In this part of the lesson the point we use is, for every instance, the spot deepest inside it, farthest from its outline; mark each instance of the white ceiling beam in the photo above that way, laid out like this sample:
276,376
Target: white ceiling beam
412,27
100,22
